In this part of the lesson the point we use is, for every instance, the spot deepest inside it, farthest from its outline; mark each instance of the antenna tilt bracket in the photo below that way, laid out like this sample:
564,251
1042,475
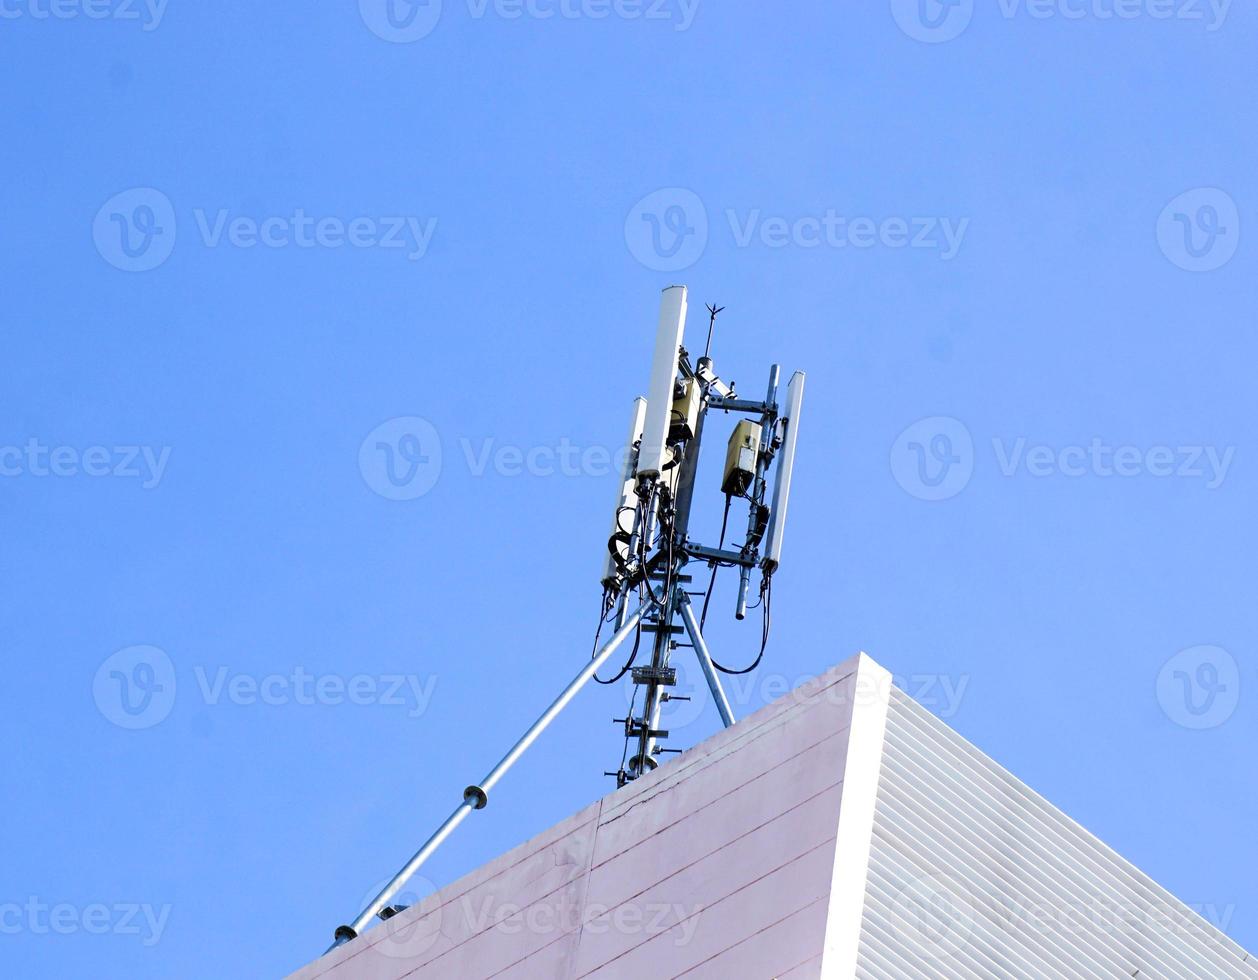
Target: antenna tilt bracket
666,676
634,728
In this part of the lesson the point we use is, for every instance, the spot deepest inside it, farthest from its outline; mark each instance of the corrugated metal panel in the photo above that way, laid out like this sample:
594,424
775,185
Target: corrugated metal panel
974,875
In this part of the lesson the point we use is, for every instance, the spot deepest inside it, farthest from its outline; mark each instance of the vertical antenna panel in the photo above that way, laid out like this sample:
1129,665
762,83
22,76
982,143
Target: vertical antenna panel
652,456
624,495
785,465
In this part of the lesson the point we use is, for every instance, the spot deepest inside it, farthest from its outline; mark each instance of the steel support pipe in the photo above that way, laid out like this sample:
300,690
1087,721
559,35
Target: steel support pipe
476,797
705,661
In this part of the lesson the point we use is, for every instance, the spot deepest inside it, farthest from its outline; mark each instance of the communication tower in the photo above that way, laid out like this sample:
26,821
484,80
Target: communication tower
646,590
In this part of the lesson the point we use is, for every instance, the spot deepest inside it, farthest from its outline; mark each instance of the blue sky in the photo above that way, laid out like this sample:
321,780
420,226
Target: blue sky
247,672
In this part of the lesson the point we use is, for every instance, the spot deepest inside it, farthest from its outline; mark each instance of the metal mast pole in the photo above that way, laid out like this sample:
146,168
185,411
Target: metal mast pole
660,674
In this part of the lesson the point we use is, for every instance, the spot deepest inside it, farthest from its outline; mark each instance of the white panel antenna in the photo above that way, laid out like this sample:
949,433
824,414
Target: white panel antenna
626,500
785,465
654,452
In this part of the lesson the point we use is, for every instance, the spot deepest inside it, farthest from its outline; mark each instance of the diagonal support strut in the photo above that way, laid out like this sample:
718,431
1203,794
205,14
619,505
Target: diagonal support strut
705,660
477,796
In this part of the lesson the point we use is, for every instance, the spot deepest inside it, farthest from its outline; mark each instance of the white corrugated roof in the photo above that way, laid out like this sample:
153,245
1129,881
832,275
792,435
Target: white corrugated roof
971,874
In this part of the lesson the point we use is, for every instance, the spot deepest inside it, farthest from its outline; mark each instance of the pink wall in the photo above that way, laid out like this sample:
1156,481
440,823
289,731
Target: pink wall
717,865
